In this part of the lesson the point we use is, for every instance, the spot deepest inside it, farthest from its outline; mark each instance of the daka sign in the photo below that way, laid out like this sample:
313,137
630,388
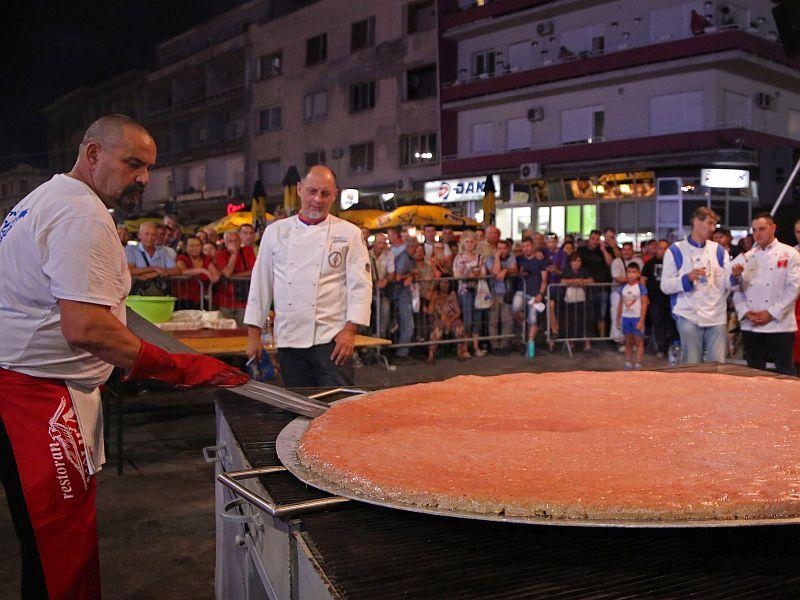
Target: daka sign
459,190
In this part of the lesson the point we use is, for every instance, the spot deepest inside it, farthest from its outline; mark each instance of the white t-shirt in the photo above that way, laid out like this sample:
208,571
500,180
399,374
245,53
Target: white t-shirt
619,268
59,242
632,295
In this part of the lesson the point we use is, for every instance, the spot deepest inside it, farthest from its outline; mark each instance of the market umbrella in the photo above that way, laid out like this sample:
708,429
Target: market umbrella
419,215
489,201
360,216
290,181
236,220
259,208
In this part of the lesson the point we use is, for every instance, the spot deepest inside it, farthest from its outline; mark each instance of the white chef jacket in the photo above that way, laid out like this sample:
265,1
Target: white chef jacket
770,281
318,276
704,303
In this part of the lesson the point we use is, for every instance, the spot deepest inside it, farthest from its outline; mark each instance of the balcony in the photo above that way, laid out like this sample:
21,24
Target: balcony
201,102
200,150
570,67
714,137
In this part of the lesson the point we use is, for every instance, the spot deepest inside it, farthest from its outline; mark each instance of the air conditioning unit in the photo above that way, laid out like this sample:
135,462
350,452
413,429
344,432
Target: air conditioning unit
764,100
536,114
530,171
545,28
404,183
337,153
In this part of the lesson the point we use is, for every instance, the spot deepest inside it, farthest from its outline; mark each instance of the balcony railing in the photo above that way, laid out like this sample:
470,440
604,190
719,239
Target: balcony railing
550,145
752,40
202,101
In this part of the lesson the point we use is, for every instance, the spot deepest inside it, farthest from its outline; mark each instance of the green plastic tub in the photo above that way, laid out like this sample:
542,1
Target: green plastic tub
156,309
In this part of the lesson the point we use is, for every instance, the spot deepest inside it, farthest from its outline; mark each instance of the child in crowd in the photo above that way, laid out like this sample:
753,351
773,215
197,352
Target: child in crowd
631,313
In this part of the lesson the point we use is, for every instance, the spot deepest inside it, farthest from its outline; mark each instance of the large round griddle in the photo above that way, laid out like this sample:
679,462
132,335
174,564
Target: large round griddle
289,440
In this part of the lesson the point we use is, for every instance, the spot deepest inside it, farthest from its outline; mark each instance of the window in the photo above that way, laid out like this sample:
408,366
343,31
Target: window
421,83
421,16
270,119
583,125
317,157
362,34
585,40
315,106
316,50
519,133
669,23
269,172
674,113
793,128
270,65
482,137
520,55
362,96
483,63
417,149
737,109
361,158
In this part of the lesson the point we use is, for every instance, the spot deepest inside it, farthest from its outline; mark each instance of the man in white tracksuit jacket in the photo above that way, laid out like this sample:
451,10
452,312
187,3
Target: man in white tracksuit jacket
696,273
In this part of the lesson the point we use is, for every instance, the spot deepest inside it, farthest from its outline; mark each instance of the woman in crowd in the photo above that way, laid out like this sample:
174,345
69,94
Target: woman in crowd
423,277
574,316
468,265
442,263
201,235
197,266
445,312
210,250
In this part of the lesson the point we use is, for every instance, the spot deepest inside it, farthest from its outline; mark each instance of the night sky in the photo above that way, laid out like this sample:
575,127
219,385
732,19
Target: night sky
51,48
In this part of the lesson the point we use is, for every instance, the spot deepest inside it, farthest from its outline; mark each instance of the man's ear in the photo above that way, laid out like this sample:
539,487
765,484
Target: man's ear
92,153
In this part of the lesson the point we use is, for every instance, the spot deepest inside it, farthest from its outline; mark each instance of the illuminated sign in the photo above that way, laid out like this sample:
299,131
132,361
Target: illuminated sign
234,208
349,198
459,190
725,178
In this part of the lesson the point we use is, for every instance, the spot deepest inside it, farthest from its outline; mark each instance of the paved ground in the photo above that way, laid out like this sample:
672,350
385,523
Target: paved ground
157,520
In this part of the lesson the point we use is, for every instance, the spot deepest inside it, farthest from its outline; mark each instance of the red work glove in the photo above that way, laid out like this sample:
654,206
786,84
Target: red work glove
183,369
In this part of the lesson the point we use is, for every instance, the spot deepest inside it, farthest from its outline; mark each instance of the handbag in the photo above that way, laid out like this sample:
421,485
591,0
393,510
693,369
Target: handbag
415,297
483,295
574,294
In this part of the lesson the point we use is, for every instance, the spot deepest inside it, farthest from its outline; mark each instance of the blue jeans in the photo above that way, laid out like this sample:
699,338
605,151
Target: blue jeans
469,314
405,314
695,340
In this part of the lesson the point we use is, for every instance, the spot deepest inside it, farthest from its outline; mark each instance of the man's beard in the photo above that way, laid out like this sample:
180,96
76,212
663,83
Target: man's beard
128,200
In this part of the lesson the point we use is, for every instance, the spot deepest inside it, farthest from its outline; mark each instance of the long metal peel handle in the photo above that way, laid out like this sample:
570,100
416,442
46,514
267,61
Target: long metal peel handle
231,481
341,390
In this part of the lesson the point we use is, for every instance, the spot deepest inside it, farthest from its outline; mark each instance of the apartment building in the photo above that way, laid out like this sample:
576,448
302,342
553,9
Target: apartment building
351,84
608,113
18,182
194,105
69,116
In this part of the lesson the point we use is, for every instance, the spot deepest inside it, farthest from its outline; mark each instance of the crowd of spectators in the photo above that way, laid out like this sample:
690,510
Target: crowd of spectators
478,290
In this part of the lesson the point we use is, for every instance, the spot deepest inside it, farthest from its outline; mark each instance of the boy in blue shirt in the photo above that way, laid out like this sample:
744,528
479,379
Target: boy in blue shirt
631,313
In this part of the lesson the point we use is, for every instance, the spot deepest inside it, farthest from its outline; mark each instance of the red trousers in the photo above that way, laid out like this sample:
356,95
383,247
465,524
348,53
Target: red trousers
58,494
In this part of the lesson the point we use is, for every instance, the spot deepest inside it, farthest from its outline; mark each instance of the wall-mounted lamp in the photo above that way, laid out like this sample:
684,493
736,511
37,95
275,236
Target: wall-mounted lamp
535,44
708,4
637,19
614,25
626,35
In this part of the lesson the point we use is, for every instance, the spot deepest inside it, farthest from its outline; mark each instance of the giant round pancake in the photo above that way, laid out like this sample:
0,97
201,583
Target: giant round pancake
577,445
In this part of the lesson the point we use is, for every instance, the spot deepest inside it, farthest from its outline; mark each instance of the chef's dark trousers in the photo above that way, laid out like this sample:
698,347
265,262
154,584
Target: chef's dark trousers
313,367
664,330
778,346
32,584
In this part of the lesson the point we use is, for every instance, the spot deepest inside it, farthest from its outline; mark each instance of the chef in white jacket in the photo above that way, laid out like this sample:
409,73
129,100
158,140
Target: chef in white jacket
315,268
767,280
696,275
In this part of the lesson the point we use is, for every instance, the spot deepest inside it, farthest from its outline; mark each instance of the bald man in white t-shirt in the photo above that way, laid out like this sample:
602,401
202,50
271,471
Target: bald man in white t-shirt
63,283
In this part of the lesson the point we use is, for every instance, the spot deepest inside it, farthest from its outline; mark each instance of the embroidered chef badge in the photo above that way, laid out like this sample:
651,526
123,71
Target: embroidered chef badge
783,262
335,259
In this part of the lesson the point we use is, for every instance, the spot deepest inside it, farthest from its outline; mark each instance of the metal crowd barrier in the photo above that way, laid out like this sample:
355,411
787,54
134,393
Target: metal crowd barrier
574,312
423,316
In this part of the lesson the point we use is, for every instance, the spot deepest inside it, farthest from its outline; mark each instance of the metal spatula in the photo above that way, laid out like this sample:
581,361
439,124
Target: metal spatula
255,390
